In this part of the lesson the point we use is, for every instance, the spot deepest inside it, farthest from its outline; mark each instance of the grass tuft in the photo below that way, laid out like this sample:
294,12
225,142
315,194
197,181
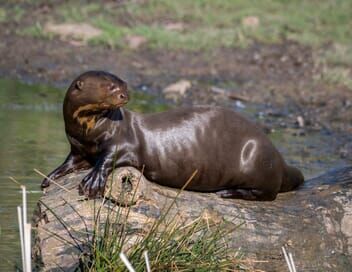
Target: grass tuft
36,31
339,55
338,76
336,65
172,243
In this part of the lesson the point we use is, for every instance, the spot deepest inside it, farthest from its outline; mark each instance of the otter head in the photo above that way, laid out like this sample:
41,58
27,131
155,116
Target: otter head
92,94
96,91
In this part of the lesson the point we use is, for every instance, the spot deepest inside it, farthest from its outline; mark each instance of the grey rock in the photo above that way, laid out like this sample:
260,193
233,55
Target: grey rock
314,222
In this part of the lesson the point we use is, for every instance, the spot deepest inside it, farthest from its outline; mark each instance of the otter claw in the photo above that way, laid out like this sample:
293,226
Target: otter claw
45,183
92,185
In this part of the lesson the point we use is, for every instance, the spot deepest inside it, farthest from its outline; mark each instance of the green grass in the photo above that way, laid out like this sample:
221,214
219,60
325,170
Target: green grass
17,13
217,23
78,13
212,23
335,65
170,245
339,55
141,102
337,76
3,15
36,31
13,13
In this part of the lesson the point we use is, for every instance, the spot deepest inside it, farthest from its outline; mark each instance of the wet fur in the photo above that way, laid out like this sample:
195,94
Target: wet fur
233,157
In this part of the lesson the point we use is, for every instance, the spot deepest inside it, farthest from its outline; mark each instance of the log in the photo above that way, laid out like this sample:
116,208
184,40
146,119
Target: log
314,223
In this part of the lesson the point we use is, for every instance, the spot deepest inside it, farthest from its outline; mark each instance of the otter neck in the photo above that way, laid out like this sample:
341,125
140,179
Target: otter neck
84,119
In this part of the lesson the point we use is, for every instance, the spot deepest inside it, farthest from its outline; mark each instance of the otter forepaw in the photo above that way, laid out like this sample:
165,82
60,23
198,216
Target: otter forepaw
93,185
45,183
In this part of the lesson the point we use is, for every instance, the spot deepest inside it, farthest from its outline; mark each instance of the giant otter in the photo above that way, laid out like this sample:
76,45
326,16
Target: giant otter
233,157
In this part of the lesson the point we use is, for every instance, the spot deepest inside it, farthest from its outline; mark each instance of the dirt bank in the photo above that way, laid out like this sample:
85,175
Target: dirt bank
286,79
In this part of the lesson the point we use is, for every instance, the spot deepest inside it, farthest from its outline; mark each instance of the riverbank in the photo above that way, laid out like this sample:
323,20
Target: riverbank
300,81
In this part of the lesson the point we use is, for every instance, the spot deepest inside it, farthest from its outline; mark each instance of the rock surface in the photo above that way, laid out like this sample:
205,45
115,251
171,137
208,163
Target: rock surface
177,90
82,32
314,223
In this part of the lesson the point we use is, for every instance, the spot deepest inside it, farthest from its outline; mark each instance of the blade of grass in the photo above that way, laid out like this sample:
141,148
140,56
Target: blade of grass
63,223
51,180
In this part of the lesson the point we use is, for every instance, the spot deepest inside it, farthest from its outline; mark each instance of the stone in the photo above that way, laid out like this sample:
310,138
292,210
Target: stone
135,41
251,21
174,26
300,121
177,90
76,31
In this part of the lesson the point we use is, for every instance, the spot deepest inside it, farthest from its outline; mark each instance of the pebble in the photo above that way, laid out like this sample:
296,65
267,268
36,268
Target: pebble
240,105
178,89
300,121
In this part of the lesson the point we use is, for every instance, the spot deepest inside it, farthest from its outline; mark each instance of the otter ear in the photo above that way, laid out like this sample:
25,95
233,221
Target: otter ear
111,86
79,85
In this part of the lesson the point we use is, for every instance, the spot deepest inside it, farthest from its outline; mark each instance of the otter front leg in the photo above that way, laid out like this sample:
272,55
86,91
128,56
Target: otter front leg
93,184
72,163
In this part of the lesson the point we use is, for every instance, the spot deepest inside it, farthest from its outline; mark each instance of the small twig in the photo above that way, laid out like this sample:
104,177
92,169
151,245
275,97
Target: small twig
25,232
190,223
27,236
292,262
290,265
66,227
238,97
24,206
126,262
20,224
15,181
60,238
206,219
51,180
147,261
79,215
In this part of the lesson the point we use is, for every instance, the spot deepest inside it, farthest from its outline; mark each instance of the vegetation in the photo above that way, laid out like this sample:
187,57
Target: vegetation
172,245
210,24
35,31
142,102
215,23
336,65
2,15
204,24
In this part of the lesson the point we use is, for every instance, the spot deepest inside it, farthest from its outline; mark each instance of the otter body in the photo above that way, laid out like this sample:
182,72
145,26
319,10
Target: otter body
233,157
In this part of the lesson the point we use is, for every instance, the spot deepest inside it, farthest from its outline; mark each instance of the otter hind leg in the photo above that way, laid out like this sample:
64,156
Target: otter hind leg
292,179
247,194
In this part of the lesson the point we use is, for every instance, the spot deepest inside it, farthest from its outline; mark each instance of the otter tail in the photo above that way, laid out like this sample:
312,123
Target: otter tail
292,179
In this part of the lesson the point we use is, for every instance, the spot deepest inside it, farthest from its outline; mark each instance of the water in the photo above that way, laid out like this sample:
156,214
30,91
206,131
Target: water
32,136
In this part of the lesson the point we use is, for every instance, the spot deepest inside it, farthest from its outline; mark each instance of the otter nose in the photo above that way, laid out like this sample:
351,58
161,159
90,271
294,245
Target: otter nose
123,96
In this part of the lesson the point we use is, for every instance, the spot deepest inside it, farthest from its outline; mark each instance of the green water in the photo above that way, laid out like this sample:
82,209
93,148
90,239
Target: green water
32,136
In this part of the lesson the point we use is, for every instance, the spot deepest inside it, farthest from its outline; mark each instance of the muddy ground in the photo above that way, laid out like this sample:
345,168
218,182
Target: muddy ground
282,78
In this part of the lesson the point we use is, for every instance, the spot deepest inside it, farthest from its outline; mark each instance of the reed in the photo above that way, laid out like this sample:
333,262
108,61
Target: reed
289,260
25,232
